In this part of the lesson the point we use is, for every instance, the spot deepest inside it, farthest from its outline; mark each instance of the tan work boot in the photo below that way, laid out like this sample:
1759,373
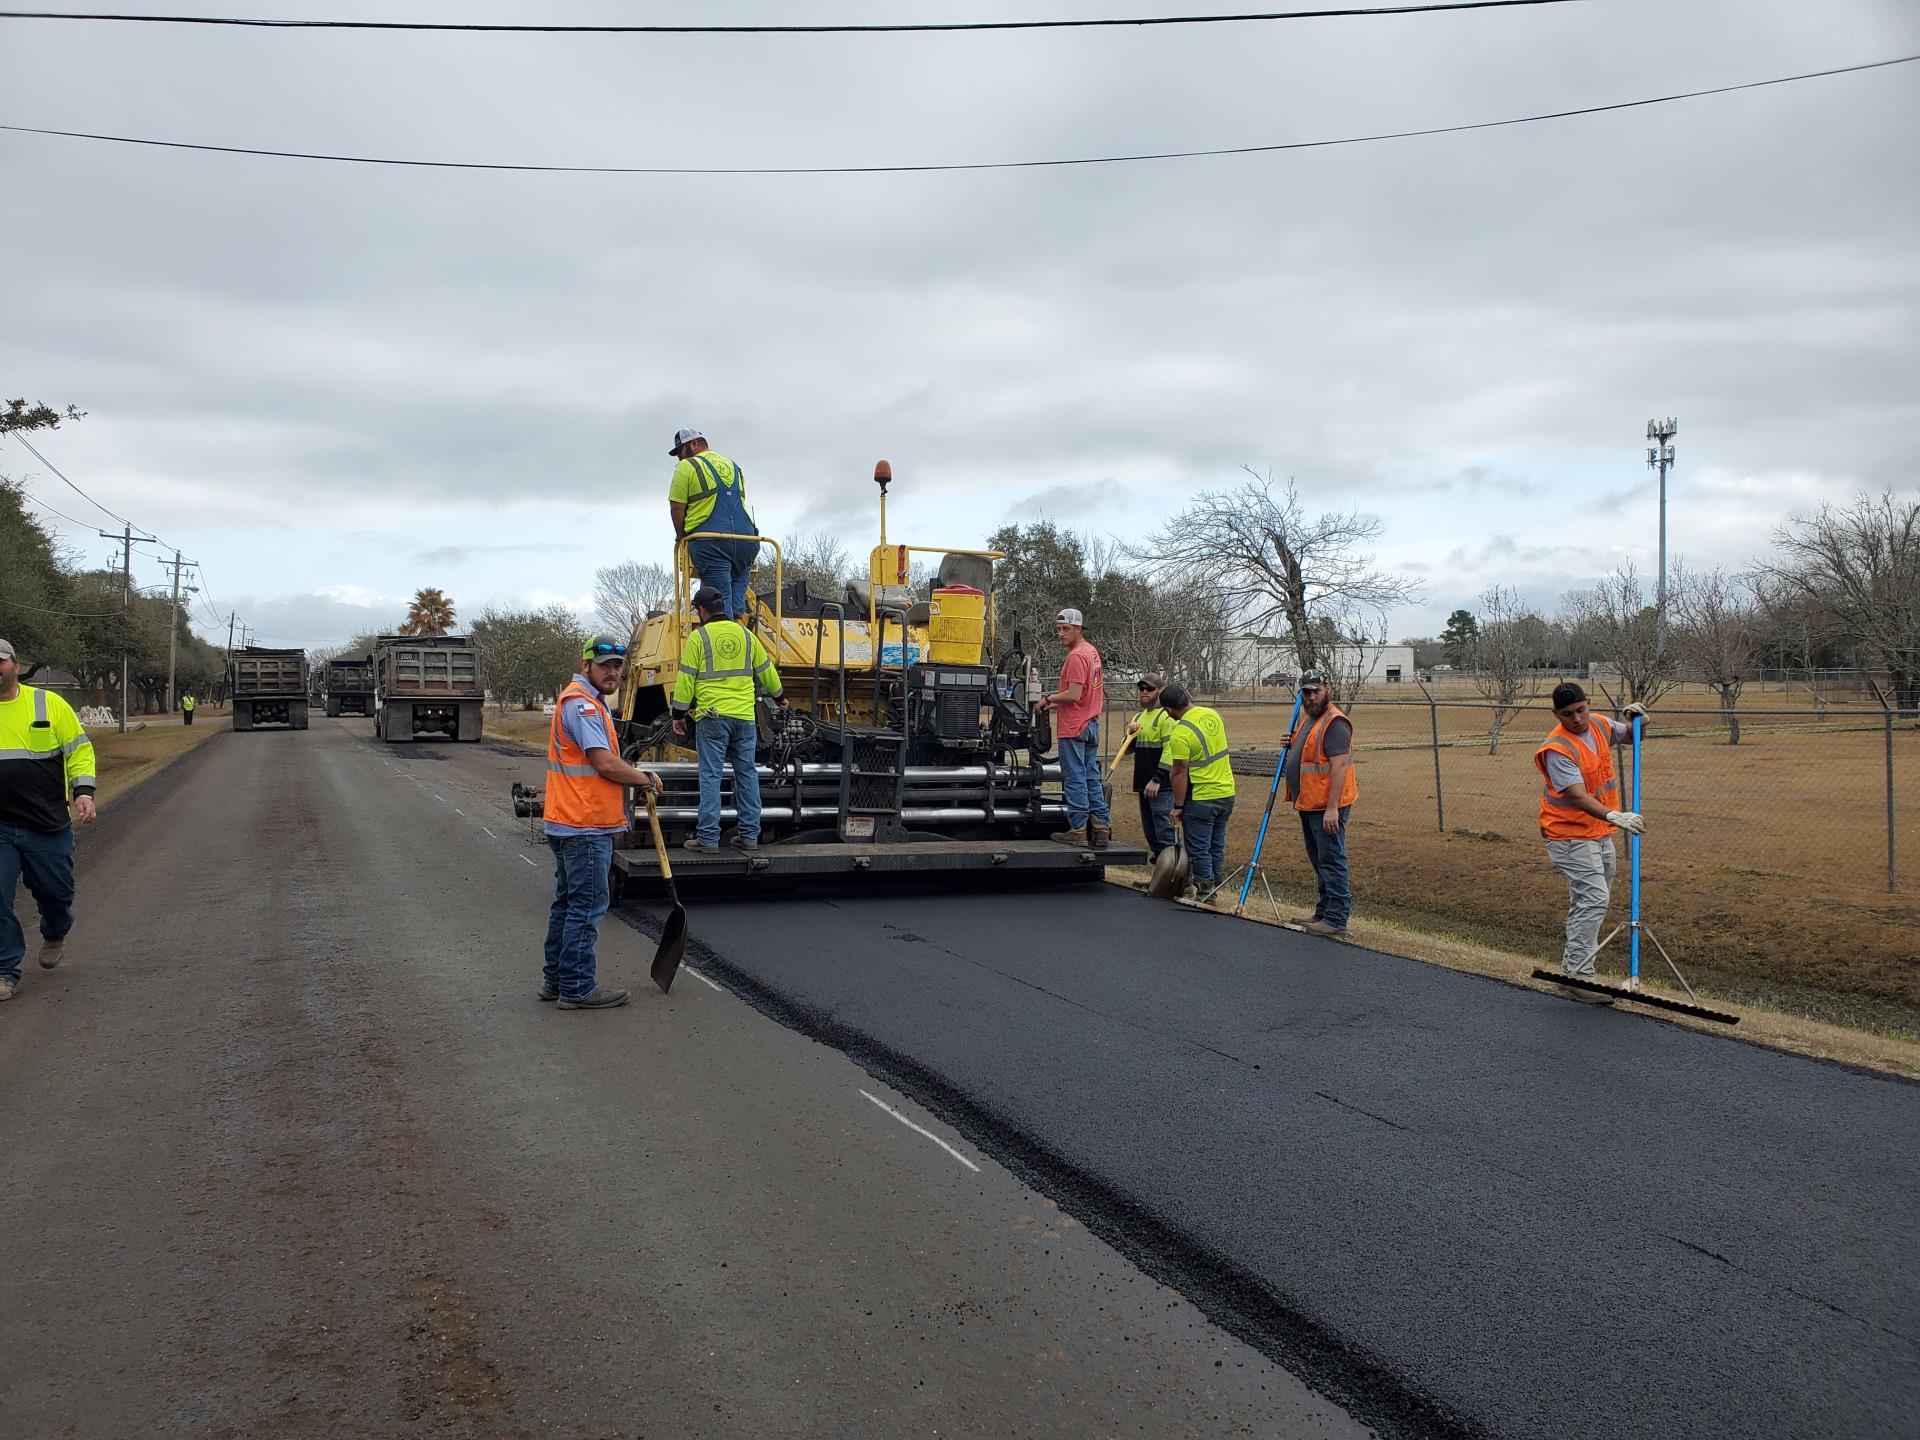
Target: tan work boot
7,987
1069,837
52,952
1099,833
599,999
692,842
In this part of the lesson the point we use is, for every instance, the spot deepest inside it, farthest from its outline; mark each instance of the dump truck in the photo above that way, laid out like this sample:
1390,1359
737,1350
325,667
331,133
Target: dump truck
427,686
913,749
269,687
350,686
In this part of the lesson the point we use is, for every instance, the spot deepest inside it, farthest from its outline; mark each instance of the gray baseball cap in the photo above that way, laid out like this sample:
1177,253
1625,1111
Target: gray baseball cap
681,437
6,650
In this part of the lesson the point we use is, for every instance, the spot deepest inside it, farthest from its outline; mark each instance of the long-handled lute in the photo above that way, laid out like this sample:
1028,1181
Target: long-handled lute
1260,840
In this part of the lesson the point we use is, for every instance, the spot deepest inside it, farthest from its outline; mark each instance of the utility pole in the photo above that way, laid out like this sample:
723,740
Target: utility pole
1660,457
126,603
226,678
173,623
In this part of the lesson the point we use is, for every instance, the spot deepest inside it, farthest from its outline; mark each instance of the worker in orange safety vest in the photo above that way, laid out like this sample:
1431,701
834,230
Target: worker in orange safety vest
1322,786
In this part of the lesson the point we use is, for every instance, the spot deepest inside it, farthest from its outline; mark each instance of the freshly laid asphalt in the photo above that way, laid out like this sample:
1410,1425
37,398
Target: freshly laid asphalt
1457,1206
290,1149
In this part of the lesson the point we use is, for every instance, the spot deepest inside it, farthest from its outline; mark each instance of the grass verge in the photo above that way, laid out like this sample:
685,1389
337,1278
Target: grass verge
126,761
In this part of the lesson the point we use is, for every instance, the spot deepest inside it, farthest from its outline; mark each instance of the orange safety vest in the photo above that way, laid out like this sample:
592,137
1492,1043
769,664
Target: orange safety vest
576,795
1316,770
1560,818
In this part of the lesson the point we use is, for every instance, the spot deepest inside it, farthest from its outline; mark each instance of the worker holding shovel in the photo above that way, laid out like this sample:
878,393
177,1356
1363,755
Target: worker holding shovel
1148,733
1579,811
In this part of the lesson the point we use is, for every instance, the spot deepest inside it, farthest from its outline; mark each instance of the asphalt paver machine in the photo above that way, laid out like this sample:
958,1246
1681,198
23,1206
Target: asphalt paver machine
912,751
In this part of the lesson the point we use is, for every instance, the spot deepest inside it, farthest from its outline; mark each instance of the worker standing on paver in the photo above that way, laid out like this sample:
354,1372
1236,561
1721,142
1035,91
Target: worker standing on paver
585,807
720,667
1579,811
1322,786
1151,782
1077,705
1201,773
709,494
46,765
186,709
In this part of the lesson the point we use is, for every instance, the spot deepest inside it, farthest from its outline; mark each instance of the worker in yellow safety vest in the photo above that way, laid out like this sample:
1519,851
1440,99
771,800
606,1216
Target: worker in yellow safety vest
1322,786
46,766
721,665
708,496
1201,773
1579,811
1150,731
186,709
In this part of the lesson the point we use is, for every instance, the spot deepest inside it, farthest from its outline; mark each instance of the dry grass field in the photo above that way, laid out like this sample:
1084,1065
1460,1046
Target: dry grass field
1764,864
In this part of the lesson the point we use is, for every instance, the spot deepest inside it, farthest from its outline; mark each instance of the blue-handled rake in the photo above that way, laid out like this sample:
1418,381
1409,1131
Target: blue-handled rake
1634,927
1266,817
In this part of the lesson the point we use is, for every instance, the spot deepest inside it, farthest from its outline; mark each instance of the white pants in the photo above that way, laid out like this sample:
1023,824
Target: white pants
1588,866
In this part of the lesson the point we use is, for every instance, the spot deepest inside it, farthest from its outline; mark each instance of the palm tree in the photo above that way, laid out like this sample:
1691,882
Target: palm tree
431,613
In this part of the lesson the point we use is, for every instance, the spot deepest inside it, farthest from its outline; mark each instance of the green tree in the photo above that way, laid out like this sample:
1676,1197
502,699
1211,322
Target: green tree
528,654
1045,570
18,415
36,598
429,613
1459,638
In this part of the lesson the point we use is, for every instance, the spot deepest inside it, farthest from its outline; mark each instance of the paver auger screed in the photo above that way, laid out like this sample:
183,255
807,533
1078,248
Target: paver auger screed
913,750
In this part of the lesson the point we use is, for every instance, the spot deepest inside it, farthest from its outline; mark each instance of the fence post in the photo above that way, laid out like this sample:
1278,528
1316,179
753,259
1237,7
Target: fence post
1887,721
1433,720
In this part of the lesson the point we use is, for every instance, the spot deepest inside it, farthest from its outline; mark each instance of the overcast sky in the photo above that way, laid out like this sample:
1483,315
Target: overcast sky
331,384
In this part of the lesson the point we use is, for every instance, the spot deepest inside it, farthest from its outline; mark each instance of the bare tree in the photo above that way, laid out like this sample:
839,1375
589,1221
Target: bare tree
822,561
1718,635
1861,566
625,594
1503,652
1620,623
1261,552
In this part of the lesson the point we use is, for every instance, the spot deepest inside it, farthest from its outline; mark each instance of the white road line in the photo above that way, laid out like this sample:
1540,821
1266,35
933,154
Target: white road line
703,979
441,798
529,862
489,832
919,1130
458,811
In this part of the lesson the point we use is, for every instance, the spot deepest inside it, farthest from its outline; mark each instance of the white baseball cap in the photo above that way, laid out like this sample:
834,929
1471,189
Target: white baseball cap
6,650
681,437
1069,616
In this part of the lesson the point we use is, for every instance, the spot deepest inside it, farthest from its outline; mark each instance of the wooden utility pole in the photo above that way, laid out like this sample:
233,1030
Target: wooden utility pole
126,603
173,624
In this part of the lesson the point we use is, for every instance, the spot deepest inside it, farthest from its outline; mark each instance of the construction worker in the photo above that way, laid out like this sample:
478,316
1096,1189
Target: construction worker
1579,811
1151,782
586,806
186,709
1077,703
709,494
46,765
1319,769
1201,774
720,666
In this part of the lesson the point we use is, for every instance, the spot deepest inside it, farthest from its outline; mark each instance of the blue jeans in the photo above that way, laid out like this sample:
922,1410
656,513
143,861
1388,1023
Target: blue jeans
580,898
1080,777
1328,856
723,741
1156,820
725,565
1205,822
46,862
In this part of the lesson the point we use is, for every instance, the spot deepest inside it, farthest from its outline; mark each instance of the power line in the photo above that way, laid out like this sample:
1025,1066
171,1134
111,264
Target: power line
932,27
63,614
973,165
69,484
45,506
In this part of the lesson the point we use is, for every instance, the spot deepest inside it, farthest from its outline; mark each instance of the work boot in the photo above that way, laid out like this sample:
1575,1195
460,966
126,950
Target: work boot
599,998
1322,927
52,952
1099,833
1585,997
7,987
546,992
1069,837
1313,919
739,844
692,842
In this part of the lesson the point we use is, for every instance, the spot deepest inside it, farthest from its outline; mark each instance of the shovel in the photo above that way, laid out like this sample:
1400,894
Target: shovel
673,935
1172,868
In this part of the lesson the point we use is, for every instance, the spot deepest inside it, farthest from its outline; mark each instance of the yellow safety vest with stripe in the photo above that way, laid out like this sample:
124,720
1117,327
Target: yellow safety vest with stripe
719,667
698,482
1200,739
1155,729
45,760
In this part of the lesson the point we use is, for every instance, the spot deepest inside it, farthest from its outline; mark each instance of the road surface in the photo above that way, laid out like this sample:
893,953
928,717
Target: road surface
355,1180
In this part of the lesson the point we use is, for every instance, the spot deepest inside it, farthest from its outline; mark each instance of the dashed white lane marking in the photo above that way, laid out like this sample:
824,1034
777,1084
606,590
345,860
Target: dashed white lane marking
441,798
920,1130
458,811
529,862
489,832
703,979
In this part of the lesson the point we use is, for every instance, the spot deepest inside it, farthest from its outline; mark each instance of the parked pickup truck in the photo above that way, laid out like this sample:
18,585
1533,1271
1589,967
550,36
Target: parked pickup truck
427,685
269,687
350,686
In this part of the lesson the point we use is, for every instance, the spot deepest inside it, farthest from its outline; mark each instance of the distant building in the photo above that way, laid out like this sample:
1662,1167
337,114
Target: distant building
1251,661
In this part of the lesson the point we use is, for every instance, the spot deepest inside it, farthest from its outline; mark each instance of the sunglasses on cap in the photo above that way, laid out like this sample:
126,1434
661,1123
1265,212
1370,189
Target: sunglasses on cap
606,650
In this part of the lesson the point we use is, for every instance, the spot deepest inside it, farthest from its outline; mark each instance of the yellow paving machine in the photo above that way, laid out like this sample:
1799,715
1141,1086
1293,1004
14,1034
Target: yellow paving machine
912,749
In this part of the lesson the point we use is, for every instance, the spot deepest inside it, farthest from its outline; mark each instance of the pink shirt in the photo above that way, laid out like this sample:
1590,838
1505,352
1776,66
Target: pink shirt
1082,665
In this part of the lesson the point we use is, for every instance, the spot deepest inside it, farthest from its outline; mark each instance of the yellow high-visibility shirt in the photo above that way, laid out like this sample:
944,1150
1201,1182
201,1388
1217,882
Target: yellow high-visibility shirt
45,760
696,484
720,664
1200,738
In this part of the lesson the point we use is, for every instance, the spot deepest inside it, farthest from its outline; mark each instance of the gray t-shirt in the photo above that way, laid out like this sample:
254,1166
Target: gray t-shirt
1339,741
1562,772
